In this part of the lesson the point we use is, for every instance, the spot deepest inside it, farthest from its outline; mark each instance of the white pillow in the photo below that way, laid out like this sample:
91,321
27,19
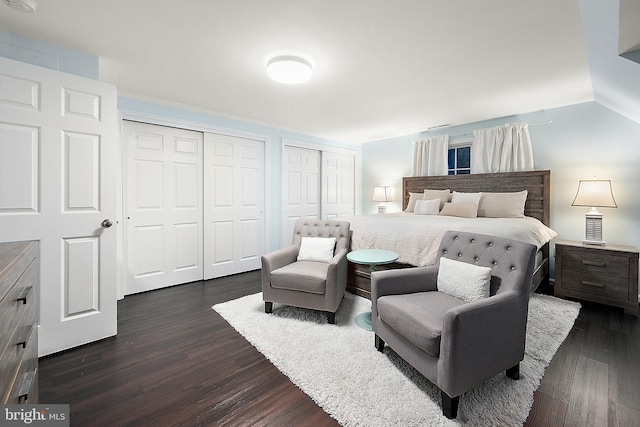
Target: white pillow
462,210
462,280
317,249
502,205
427,207
466,198
413,198
443,195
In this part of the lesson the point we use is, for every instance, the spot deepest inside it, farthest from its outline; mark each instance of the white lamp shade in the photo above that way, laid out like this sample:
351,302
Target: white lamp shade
289,69
382,193
595,193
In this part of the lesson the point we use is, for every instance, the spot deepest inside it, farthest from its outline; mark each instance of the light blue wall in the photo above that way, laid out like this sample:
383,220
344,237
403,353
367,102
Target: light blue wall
48,55
583,141
51,56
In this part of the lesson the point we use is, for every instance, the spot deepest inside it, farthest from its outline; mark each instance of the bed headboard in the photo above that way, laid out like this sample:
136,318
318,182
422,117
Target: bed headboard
537,183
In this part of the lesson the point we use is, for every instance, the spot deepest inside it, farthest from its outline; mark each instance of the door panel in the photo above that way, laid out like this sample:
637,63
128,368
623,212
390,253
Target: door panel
164,206
58,153
338,189
301,192
234,204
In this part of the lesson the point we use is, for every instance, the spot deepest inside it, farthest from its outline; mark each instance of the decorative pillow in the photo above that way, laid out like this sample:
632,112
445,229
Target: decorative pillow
462,280
317,249
427,207
413,198
443,195
463,210
502,205
467,198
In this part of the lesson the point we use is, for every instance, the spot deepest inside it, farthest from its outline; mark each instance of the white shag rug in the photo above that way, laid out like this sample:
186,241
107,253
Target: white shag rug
339,367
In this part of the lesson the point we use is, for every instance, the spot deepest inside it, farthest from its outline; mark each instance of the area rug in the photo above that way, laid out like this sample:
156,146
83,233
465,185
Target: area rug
340,369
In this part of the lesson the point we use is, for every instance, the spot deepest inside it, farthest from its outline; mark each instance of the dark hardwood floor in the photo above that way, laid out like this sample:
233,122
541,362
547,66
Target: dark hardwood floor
175,361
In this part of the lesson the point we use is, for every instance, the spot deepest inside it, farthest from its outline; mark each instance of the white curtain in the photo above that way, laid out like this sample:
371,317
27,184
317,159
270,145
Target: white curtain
430,156
505,148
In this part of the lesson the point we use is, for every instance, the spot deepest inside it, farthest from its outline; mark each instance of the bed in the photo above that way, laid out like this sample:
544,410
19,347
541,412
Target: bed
416,237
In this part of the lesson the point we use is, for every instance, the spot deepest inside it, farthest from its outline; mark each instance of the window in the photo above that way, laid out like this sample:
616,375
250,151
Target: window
459,160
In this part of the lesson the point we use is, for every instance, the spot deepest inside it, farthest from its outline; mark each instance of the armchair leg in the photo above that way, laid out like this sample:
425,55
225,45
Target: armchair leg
449,405
514,372
268,307
379,343
331,318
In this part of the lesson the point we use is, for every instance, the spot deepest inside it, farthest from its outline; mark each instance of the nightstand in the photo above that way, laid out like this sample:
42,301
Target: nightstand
604,274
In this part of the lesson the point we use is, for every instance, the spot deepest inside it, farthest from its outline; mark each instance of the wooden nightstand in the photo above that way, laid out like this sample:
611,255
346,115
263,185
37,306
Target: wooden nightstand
604,274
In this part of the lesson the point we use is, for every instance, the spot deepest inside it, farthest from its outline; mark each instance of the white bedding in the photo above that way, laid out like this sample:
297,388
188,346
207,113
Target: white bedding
416,238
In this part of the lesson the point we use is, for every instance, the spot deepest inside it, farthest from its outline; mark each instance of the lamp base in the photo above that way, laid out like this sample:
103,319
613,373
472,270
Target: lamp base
593,228
382,209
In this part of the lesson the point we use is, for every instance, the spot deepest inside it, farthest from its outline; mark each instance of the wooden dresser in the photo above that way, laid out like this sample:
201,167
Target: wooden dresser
604,274
18,323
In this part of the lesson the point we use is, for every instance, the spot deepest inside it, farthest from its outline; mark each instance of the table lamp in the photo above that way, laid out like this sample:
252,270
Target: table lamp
382,194
594,193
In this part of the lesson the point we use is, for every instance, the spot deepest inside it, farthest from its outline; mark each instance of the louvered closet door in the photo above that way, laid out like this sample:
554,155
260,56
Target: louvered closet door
163,206
58,153
233,204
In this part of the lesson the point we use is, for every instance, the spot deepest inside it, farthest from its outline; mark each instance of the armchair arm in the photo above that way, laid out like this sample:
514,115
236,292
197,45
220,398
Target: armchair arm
277,259
337,274
480,339
403,281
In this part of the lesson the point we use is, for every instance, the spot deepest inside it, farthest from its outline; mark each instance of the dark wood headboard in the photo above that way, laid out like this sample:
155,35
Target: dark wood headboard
537,183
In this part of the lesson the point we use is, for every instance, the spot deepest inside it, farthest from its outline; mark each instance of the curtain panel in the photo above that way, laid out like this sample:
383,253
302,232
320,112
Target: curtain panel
430,156
505,148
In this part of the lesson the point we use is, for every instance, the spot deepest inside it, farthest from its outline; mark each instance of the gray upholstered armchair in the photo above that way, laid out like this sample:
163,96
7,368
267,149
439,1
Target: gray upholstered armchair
308,284
456,344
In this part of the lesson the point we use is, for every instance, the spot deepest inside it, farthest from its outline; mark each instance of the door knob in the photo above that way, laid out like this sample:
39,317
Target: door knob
106,223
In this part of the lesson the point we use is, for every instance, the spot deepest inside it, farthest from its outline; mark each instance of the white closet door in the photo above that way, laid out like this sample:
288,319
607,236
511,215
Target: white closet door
301,187
233,204
338,184
58,153
163,206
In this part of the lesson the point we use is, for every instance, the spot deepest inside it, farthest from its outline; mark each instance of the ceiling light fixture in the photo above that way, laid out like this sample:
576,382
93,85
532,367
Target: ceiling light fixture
26,6
289,69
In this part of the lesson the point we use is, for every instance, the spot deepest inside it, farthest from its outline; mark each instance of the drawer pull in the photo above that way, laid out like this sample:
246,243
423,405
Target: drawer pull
25,387
595,284
23,339
593,263
24,294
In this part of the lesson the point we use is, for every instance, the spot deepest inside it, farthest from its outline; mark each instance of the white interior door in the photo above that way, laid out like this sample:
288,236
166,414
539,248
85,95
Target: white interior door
163,206
338,184
58,153
233,204
301,187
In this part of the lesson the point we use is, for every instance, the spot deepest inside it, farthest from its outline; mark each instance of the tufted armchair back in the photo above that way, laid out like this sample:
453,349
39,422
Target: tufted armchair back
508,259
322,228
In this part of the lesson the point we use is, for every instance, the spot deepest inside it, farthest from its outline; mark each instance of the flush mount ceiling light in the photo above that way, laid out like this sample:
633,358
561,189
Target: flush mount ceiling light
26,6
289,69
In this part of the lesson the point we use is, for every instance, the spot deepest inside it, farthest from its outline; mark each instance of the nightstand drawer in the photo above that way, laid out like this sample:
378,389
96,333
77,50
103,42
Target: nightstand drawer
596,285
597,263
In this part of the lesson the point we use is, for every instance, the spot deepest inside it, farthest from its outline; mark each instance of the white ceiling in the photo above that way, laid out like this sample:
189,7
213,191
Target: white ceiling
383,68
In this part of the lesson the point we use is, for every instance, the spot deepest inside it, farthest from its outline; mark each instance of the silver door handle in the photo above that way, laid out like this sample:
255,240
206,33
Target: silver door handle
106,223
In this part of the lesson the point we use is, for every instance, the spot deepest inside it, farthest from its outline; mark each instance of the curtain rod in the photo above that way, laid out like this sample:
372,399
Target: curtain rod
471,133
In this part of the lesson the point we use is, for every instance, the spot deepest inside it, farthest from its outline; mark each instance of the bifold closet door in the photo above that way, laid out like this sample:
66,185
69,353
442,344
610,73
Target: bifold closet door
300,187
163,212
58,154
234,230
338,184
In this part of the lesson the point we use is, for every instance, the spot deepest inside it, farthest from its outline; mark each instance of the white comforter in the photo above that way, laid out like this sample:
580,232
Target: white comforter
416,238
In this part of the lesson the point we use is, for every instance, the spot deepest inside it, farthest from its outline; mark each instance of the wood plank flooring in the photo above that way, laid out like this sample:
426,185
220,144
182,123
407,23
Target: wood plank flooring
176,362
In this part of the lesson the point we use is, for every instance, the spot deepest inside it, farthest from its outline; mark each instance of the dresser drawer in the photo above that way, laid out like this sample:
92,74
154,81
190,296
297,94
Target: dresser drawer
596,284
19,357
596,263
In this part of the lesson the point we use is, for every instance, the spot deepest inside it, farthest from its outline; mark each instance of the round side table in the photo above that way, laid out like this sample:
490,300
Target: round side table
372,258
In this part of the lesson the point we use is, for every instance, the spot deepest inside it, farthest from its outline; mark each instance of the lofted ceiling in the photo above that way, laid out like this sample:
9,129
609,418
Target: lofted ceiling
382,68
